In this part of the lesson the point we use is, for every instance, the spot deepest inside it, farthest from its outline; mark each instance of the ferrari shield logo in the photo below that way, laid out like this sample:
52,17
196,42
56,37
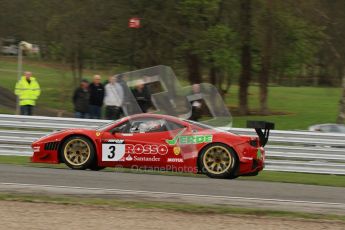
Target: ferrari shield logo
177,150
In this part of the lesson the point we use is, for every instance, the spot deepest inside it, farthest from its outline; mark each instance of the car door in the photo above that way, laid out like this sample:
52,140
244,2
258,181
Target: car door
141,142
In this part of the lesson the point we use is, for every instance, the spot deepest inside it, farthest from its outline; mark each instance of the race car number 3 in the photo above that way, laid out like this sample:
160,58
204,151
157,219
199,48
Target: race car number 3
112,152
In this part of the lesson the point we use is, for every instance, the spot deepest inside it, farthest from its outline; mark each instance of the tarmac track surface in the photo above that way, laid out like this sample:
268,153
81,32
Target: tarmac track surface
280,196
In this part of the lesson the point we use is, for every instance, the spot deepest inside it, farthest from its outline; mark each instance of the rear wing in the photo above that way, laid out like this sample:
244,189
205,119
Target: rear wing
262,128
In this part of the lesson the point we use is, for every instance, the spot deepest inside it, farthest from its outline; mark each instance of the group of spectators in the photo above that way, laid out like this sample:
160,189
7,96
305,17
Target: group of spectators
89,98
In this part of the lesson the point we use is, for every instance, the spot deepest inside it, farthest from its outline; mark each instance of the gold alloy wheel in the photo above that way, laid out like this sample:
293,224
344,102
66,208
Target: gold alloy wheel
77,152
217,159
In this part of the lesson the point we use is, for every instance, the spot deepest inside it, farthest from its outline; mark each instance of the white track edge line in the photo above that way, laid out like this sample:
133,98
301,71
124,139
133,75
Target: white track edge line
174,194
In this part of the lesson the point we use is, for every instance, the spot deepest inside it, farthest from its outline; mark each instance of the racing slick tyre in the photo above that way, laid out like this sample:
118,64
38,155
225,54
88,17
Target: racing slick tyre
78,152
95,167
218,161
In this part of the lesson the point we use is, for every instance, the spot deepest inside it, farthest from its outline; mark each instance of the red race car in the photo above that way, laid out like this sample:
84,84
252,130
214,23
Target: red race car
161,142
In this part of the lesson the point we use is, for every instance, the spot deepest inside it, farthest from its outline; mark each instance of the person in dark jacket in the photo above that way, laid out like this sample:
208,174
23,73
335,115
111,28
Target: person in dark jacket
197,105
142,95
96,97
81,99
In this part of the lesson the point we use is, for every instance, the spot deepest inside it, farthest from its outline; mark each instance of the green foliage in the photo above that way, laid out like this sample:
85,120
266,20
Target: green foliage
77,31
219,45
198,12
297,42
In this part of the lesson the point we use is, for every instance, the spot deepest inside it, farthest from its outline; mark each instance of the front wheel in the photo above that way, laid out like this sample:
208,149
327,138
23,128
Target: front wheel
78,152
95,167
218,161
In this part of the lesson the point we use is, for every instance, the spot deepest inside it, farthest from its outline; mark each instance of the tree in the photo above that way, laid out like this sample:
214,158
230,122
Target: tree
266,56
246,55
330,15
218,49
195,16
341,114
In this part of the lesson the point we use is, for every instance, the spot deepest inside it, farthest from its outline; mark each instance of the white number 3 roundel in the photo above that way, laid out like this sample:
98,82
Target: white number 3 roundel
112,152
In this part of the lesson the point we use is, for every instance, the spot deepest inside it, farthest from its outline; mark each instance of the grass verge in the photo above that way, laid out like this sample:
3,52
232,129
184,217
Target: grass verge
269,176
176,207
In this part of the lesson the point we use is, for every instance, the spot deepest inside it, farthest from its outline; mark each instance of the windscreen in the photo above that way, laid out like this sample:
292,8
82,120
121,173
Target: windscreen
157,90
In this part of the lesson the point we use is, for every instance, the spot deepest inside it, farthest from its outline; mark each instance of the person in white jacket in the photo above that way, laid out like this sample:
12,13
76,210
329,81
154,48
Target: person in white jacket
113,99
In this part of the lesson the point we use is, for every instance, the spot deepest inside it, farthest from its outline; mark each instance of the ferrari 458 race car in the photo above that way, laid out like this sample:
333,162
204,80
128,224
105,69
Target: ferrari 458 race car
153,141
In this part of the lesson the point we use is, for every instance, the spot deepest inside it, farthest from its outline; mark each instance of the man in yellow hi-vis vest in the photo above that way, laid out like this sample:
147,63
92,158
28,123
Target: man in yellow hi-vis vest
27,89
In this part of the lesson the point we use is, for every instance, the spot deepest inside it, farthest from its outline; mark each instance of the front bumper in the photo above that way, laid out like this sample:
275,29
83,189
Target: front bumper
45,152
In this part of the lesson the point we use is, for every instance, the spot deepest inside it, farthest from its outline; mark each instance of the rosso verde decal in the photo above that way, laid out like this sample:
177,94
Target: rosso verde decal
196,139
175,139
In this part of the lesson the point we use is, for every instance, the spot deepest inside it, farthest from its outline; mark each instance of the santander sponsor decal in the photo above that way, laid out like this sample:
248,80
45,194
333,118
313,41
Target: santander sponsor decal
146,149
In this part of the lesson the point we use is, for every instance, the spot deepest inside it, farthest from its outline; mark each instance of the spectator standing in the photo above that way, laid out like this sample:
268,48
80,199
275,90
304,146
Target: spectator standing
196,104
142,95
113,99
126,104
96,97
28,90
81,99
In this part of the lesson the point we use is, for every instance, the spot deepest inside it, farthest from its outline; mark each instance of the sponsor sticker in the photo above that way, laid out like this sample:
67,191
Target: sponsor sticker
36,149
177,150
194,139
146,149
175,160
145,158
129,158
117,141
112,152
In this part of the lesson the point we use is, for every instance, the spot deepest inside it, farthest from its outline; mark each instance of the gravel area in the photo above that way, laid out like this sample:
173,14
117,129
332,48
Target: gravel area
26,215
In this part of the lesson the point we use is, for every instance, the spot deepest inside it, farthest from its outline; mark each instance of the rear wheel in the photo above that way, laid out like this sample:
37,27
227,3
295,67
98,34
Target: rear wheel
78,152
218,161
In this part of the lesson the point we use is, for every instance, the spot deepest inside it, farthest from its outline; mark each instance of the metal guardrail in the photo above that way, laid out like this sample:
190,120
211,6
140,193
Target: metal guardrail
289,151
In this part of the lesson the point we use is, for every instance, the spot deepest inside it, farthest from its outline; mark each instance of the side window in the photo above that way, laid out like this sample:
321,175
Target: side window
148,125
173,126
121,128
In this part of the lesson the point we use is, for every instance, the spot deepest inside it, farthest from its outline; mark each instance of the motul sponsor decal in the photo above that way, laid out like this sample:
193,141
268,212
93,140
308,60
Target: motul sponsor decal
175,160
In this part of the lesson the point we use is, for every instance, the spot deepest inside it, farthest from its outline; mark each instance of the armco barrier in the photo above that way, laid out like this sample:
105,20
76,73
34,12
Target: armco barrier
290,151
